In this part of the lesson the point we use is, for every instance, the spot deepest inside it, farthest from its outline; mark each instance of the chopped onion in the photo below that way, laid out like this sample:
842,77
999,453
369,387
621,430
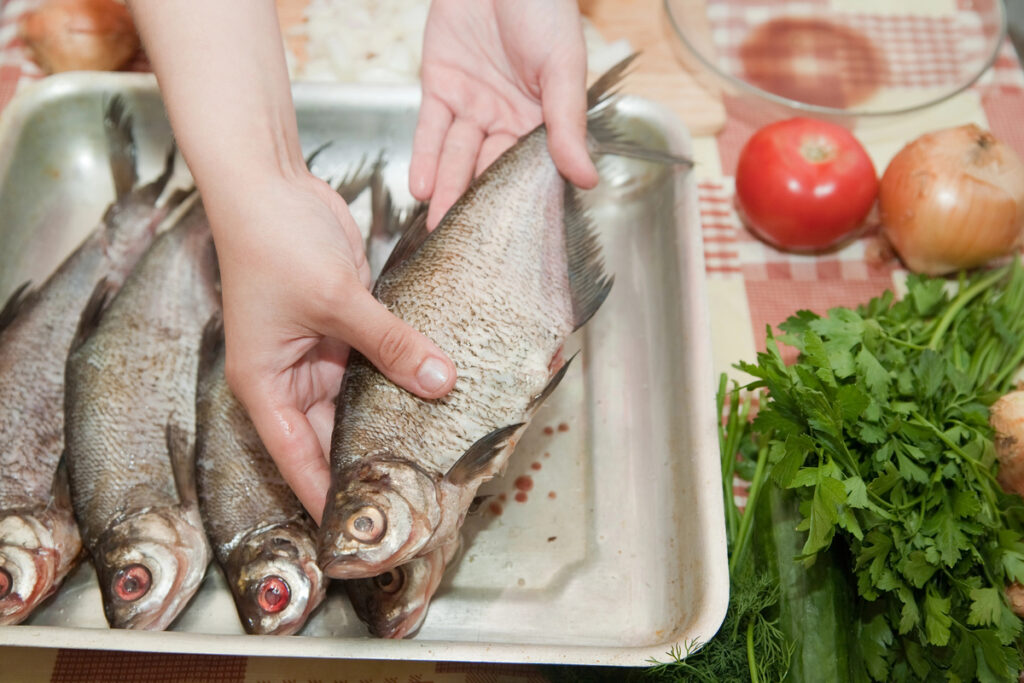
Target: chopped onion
80,35
953,199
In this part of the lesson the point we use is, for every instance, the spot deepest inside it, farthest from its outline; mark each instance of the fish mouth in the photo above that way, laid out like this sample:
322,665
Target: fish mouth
149,566
383,519
277,588
31,565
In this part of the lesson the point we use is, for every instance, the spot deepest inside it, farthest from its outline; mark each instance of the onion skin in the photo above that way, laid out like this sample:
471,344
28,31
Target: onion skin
80,35
953,199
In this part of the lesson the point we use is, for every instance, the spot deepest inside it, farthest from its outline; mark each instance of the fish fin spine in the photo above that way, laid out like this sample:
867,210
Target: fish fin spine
552,384
478,459
117,125
14,304
588,283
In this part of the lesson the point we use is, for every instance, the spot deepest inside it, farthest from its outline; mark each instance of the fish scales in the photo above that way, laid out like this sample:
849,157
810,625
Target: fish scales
130,406
33,351
262,537
491,288
494,295
228,483
512,269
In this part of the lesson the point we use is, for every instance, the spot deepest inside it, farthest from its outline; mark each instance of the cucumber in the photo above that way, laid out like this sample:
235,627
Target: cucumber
816,606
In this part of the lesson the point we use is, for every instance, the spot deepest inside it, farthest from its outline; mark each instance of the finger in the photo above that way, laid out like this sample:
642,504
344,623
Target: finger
494,146
455,168
297,451
564,105
406,357
431,128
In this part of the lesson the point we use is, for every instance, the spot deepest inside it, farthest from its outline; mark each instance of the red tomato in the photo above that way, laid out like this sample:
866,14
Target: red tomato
804,184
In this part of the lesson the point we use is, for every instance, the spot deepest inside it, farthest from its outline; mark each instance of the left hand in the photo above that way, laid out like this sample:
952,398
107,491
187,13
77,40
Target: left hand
492,71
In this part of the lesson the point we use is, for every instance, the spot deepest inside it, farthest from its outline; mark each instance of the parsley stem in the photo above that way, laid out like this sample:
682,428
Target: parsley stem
979,473
961,300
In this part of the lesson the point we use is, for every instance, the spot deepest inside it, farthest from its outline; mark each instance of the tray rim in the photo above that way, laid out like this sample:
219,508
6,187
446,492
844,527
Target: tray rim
696,316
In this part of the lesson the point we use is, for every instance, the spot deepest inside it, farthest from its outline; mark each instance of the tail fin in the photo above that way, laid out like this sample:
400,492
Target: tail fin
152,191
605,136
117,124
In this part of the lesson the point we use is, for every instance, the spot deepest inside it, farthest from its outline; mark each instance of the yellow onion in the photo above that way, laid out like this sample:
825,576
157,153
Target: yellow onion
80,35
953,199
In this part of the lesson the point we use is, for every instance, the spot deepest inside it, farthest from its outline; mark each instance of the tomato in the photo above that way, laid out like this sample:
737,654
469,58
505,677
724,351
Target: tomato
804,184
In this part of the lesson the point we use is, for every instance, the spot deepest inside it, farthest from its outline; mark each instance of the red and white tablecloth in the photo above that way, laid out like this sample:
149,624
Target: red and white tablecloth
750,285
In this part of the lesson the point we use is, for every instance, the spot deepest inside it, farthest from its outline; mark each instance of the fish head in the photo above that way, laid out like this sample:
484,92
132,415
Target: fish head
275,580
31,563
394,604
149,565
380,513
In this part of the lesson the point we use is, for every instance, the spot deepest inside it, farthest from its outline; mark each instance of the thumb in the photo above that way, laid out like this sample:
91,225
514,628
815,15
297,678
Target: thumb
405,356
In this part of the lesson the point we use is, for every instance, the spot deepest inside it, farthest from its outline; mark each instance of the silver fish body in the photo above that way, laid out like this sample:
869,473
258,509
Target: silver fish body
394,604
511,271
130,425
262,537
39,539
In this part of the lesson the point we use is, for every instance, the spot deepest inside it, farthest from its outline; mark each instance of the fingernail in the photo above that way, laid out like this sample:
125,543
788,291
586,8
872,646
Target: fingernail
432,374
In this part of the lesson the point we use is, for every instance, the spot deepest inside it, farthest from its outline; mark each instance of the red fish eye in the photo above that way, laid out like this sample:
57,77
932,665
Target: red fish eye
132,582
5,583
273,594
390,581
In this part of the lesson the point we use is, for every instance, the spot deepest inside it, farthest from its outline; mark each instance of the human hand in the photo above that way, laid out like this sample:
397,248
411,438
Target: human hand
294,281
492,71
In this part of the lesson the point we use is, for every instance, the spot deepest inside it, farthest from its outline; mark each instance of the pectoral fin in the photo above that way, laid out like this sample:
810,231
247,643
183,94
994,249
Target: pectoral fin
476,462
93,311
181,447
543,395
10,310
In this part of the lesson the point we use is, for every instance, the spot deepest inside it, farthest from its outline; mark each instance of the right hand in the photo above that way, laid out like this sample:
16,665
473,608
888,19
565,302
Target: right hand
295,288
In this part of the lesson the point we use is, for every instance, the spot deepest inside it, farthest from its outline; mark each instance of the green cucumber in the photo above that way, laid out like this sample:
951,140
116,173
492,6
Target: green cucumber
816,610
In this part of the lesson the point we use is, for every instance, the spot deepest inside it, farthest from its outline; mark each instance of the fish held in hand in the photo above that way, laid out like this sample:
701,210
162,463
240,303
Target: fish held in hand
130,427
39,539
511,271
262,537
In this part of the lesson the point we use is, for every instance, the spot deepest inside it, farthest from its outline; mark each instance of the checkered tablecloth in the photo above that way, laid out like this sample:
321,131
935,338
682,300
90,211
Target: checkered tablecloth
750,285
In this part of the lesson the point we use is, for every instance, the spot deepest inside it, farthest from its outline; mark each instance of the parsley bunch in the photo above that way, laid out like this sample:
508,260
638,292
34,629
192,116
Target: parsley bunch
881,426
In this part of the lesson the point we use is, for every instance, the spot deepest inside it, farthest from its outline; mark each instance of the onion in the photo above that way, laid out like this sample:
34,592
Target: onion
74,35
953,199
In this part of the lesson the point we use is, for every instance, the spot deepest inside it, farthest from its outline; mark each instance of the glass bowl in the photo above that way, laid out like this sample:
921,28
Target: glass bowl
842,57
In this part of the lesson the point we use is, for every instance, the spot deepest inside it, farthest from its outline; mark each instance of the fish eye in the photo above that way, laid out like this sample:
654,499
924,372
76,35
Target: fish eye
273,594
132,582
390,581
5,583
367,524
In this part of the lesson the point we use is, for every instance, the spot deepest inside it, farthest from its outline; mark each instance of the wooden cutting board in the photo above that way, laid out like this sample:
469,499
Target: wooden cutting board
659,74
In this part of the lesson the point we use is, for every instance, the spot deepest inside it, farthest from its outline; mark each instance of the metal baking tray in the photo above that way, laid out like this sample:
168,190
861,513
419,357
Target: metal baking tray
614,554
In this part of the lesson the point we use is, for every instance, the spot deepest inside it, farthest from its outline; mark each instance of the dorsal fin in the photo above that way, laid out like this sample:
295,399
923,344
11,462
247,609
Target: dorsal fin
410,241
476,461
358,178
211,346
101,295
14,303
311,157
601,89
120,145
588,283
